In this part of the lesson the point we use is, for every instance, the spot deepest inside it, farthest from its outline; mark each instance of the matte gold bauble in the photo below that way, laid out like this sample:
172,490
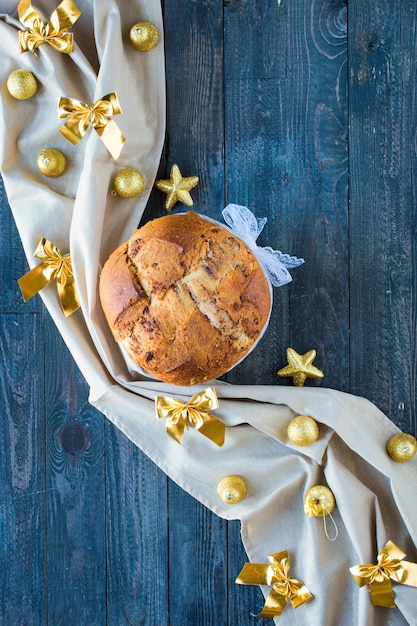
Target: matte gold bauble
51,162
318,501
402,447
21,84
144,36
232,489
128,183
303,430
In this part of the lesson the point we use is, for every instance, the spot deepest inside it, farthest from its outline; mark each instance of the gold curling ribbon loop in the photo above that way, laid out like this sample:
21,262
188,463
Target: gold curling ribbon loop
53,32
276,574
195,413
53,266
390,566
81,116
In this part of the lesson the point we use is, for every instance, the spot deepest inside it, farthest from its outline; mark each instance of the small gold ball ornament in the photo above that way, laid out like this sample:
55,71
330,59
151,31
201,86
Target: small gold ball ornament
21,84
144,36
129,183
402,447
303,430
232,489
51,162
318,501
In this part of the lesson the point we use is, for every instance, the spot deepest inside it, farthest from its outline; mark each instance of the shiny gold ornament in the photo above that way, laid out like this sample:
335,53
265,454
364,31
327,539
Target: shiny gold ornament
318,501
51,162
52,32
144,36
276,574
177,188
303,430
402,447
21,84
232,489
128,183
300,367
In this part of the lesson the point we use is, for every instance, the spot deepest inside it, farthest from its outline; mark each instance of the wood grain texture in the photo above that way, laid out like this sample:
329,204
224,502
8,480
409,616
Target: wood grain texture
382,157
75,482
23,492
137,535
12,262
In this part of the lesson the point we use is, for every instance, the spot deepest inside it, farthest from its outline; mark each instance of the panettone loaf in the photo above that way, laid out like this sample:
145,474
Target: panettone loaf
185,297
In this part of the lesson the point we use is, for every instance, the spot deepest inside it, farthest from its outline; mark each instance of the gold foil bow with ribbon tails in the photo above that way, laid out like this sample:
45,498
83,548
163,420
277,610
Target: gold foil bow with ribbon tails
195,413
81,116
275,574
390,566
52,32
53,265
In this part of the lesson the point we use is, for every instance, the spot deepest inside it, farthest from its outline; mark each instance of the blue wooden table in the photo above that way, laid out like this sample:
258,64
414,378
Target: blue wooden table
305,112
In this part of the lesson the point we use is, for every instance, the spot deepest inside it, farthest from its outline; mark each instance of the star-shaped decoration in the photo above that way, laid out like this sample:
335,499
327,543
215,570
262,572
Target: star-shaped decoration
177,188
300,367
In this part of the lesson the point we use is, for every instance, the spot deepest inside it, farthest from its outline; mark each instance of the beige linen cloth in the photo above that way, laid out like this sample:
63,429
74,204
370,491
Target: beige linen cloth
376,497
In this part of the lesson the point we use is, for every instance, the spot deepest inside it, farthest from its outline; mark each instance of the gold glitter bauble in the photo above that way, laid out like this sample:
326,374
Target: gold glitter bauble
51,162
22,85
144,36
402,447
232,489
129,183
318,501
303,430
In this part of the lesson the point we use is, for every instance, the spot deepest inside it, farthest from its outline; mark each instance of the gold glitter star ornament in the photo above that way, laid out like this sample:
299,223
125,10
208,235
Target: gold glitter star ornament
300,367
177,188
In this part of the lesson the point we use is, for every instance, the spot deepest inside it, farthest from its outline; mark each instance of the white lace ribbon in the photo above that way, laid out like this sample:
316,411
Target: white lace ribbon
245,225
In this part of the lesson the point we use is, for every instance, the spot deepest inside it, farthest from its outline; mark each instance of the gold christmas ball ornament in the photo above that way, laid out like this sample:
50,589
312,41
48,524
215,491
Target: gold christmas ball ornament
22,84
51,162
303,430
318,501
232,489
129,183
402,447
144,36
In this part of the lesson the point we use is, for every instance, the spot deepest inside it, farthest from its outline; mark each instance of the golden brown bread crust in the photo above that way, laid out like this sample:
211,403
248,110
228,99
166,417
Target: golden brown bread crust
185,297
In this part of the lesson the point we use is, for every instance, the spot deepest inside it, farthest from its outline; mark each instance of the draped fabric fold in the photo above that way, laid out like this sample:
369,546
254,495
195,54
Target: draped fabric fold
79,214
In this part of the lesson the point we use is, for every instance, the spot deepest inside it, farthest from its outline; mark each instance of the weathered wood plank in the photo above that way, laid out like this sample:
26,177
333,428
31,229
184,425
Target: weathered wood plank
255,45
23,493
75,482
12,262
382,163
137,535
194,70
198,557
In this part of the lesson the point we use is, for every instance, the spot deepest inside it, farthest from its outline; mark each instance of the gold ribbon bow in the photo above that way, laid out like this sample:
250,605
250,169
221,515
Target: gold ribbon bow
390,566
53,32
283,587
81,116
193,413
53,265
